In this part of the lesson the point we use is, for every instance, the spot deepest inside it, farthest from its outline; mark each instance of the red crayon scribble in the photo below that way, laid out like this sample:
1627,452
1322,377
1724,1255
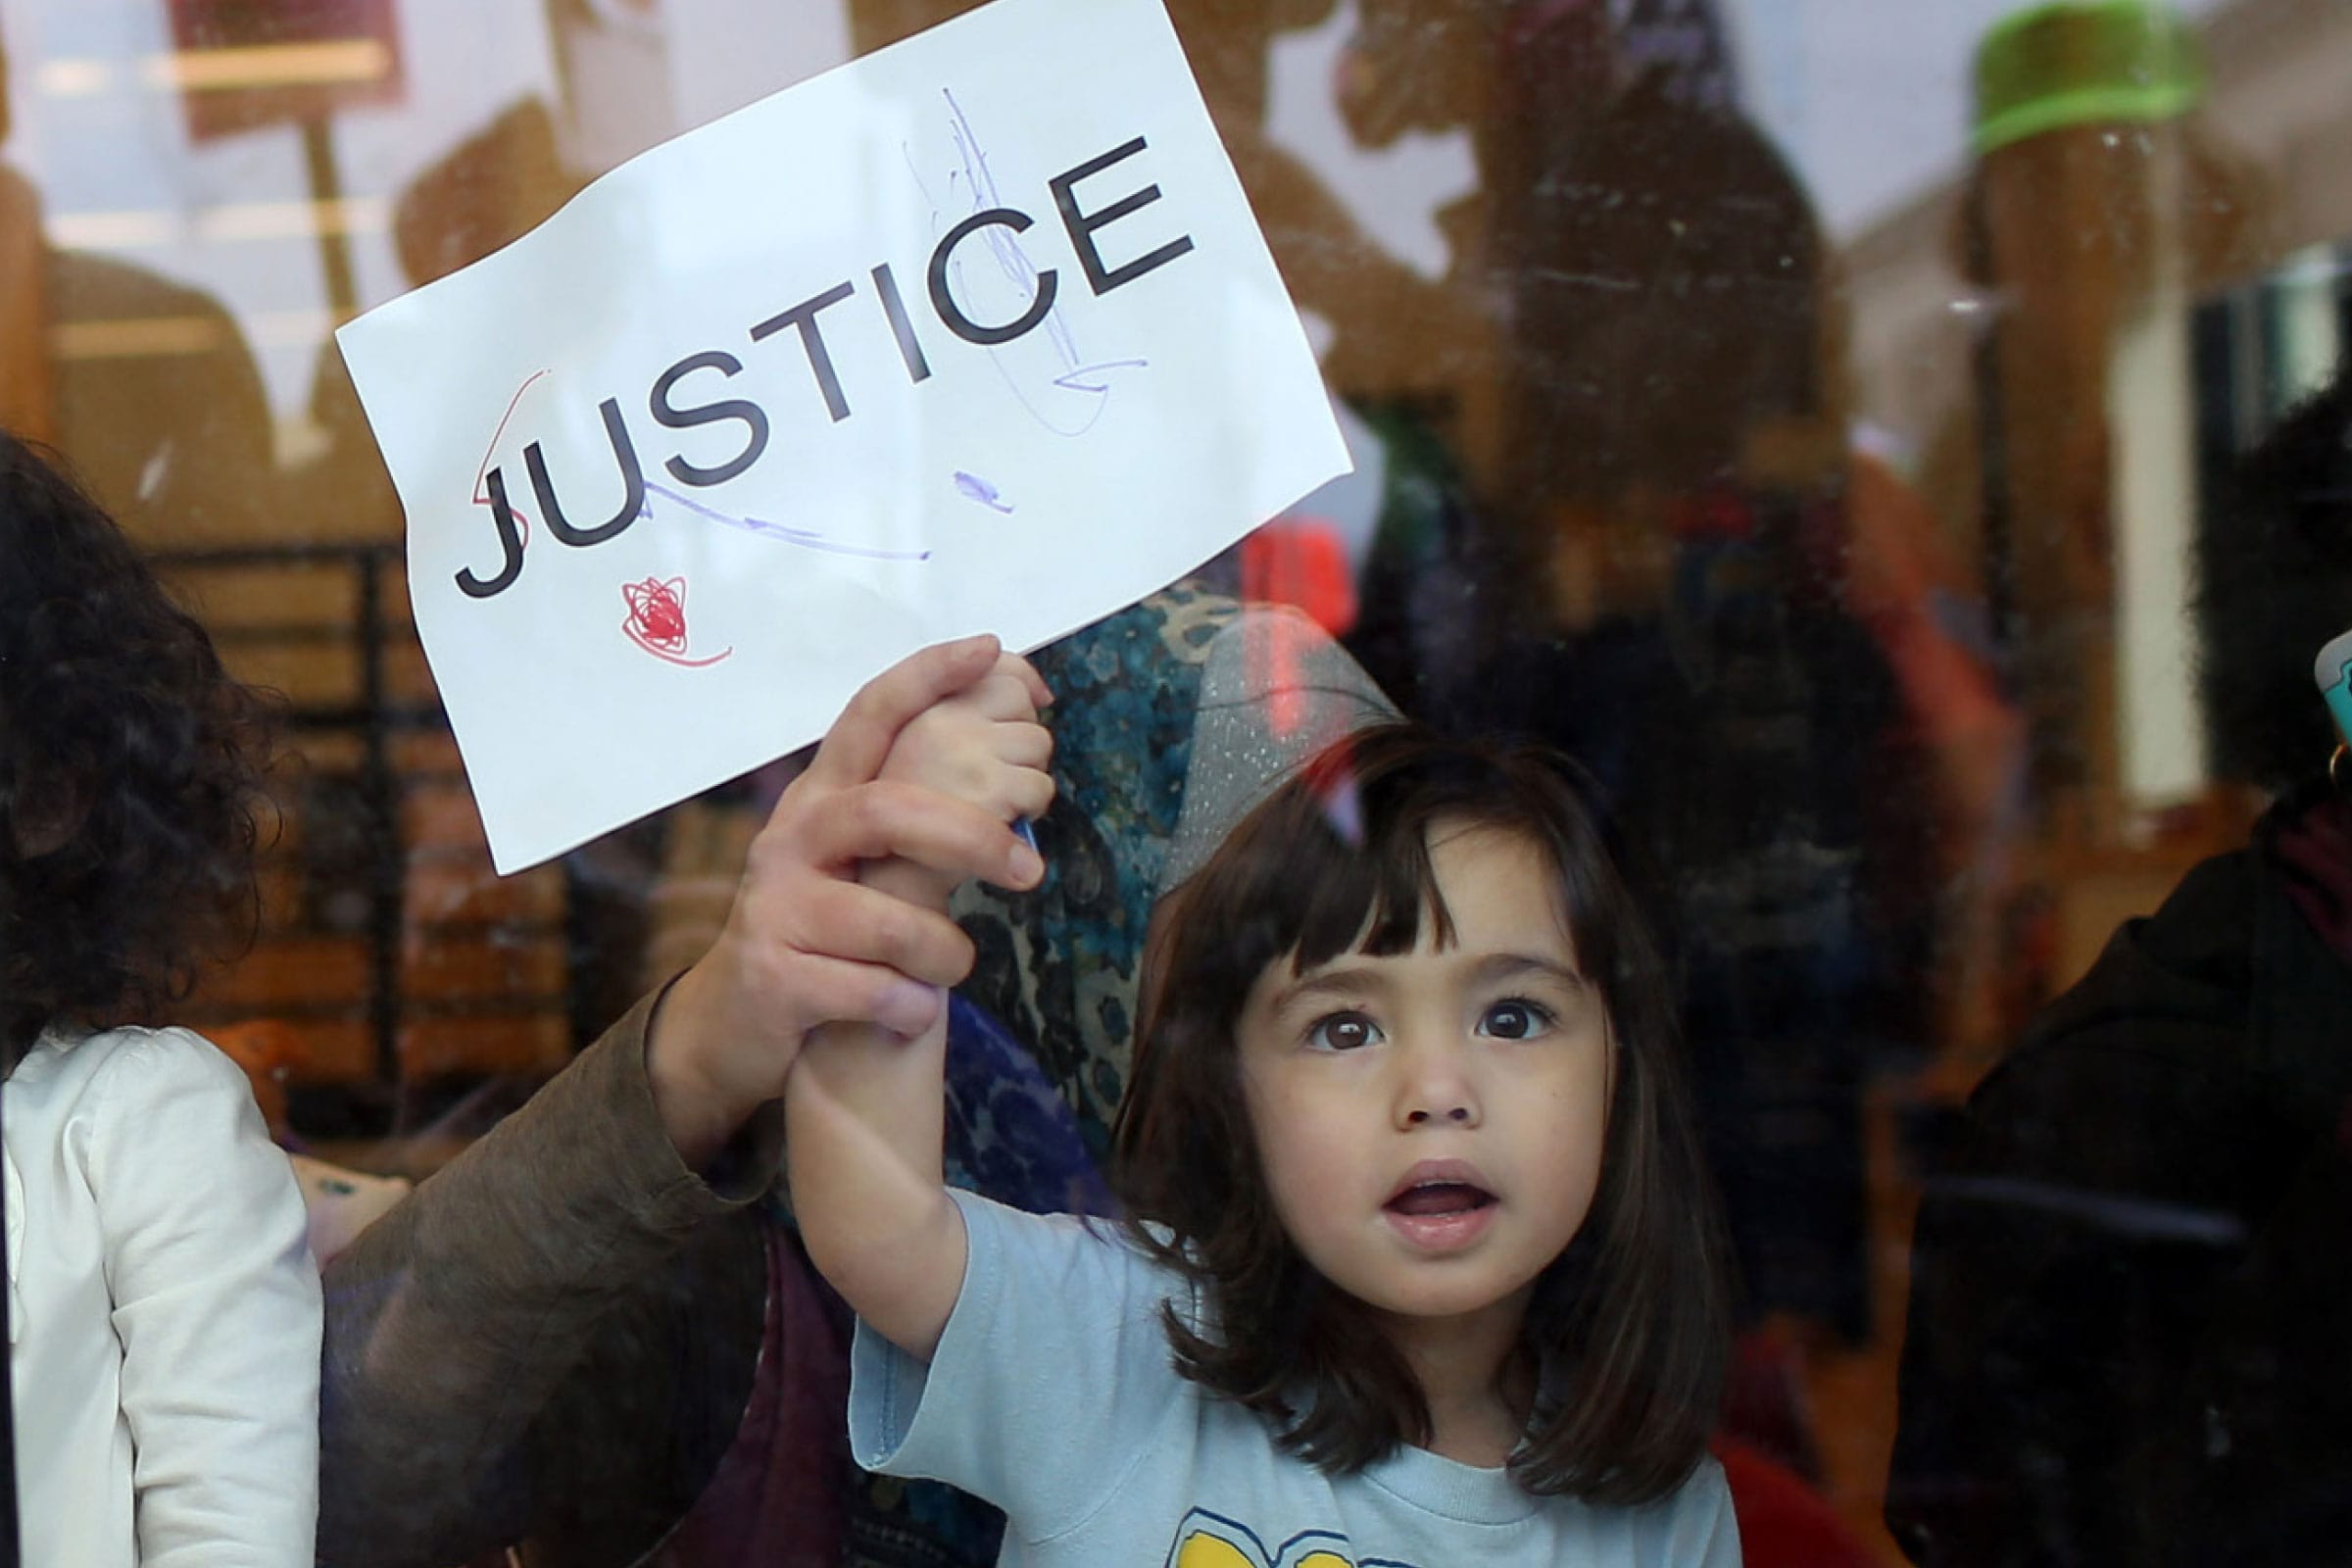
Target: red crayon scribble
657,621
481,475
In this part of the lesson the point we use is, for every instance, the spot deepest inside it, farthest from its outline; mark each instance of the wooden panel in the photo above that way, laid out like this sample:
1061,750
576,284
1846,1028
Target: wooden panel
438,816
297,594
427,751
312,674
439,968
314,1050
338,750
2092,905
466,890
279,882
531,1045
331,1051
408,680
291,972
398,611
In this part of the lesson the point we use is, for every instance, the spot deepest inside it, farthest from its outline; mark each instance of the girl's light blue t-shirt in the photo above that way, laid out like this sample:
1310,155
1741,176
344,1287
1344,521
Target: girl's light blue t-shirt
1052,1397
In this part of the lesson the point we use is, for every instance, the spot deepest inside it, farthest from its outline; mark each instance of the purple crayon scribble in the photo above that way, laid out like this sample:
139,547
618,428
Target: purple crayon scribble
972,487
805,538
971,188
1011,256
1072,379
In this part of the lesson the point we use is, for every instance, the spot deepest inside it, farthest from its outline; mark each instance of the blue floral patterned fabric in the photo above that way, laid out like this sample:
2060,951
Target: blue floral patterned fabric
1009,1132
1058,966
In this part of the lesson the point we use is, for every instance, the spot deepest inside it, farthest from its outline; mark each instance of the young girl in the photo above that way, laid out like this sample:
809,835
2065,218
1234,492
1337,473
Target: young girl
163,1308
1419,1266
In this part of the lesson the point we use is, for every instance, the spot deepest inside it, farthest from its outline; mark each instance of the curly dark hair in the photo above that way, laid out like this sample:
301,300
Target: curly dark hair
130,771
2274,567
1628,1334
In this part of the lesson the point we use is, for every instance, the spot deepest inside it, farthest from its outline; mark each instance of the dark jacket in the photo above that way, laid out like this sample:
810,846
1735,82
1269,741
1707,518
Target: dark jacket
2130,1337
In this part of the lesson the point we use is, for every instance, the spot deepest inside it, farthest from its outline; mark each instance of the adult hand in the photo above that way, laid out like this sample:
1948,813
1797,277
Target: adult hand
806,943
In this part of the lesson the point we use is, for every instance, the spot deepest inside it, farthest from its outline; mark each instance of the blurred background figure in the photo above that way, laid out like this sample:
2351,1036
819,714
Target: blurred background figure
146,384
2127,1340
2087,391
1682,570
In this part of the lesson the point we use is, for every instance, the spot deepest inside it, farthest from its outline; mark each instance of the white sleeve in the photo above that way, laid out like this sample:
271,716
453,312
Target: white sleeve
215,1301
1051,1381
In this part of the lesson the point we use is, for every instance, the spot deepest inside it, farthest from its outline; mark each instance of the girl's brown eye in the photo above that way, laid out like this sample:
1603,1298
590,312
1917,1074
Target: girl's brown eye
1344,1031
1513,1020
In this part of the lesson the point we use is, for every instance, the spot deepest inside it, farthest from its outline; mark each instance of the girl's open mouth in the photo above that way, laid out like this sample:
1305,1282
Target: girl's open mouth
1440,1217
1440,1198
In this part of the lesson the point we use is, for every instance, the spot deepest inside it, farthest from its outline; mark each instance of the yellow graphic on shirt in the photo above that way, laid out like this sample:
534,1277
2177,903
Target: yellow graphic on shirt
1202,1550
1206,1540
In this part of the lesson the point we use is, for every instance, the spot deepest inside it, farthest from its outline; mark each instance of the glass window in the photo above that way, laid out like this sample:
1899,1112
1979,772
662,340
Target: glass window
1879,442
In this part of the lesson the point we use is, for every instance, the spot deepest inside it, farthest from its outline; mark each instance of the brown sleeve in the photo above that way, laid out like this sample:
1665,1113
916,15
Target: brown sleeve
568,1247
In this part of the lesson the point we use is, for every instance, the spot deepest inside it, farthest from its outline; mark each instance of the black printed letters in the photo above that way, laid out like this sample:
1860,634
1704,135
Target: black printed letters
676,405
943,256
1082,225
753,416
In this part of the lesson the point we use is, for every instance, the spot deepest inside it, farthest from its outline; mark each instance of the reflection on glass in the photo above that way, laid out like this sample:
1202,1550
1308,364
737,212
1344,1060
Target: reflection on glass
1827,421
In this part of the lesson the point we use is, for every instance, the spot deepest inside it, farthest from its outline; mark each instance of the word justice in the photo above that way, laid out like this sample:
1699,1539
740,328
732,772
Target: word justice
805,319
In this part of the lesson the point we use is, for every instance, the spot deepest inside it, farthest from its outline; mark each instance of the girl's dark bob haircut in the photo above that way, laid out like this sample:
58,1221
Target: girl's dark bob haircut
130,772
1628,1334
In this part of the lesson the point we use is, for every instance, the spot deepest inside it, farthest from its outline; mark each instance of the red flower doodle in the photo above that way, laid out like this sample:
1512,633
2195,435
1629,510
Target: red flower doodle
657,621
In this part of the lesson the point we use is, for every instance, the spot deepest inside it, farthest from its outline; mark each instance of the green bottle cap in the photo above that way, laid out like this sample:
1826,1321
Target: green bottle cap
2082,62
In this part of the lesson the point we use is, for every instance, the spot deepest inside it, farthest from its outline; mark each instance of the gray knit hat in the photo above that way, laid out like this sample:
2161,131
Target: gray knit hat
1274,691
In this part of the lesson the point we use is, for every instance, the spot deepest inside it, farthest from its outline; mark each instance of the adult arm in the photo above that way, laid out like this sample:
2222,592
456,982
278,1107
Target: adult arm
554,1337
492,1341
217,1306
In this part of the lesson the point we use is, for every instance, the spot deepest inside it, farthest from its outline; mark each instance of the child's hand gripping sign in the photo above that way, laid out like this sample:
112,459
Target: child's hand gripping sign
975,333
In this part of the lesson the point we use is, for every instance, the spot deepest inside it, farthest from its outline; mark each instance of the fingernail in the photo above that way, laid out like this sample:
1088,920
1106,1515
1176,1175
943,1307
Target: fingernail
1025,864
908,1008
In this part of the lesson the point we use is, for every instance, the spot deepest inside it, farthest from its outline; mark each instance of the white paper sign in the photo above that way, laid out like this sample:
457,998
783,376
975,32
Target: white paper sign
974,334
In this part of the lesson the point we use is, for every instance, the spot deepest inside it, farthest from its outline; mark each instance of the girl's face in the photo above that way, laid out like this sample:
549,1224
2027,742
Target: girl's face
1429,1123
